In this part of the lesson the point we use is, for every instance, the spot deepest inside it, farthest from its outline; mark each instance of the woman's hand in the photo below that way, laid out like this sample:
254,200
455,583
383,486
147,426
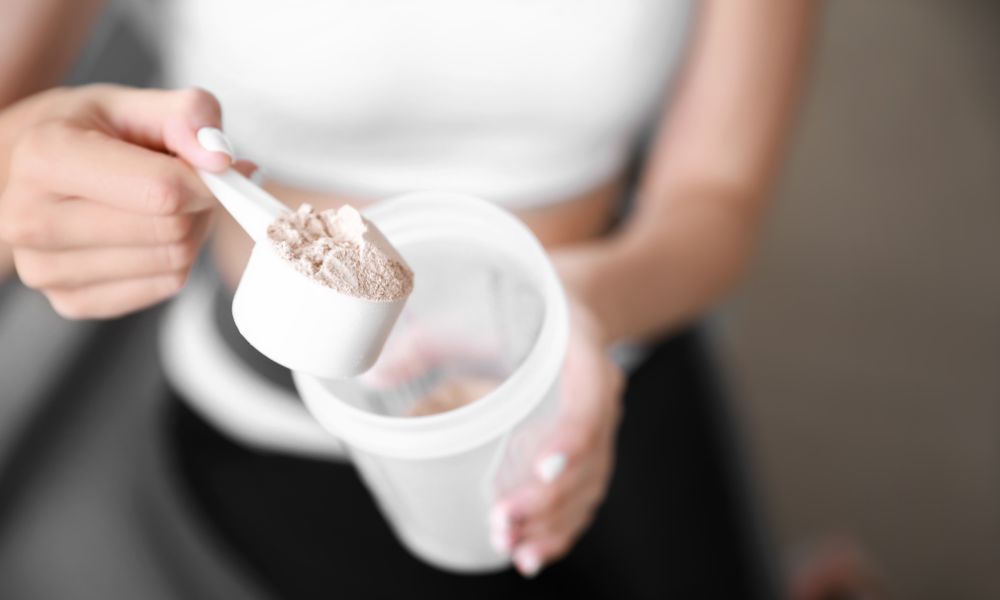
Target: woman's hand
539,522
100,214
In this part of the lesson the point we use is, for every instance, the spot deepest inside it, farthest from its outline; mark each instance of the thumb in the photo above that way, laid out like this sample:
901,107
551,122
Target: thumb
168,120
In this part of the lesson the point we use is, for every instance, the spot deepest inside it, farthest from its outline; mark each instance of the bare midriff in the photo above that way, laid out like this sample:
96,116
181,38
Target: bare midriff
557,224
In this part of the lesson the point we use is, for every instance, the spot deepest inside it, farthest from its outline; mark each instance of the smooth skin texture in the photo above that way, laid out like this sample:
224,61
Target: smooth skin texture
38,43
115,229
101,218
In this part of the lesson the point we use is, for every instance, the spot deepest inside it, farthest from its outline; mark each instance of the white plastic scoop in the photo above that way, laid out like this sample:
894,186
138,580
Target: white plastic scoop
293,320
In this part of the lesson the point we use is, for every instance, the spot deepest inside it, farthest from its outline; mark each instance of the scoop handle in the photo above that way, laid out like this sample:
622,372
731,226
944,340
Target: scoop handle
252,207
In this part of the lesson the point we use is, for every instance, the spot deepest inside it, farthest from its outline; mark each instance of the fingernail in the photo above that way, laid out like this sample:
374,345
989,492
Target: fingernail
214,140
550,467
528,563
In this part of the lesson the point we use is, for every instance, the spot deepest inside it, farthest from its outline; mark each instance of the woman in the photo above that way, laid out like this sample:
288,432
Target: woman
538,106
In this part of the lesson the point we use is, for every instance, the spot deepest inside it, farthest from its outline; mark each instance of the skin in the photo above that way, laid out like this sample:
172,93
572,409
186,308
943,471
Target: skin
117,226
37,48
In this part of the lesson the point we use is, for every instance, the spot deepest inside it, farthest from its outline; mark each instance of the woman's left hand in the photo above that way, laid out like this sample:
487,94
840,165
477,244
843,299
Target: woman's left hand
540,521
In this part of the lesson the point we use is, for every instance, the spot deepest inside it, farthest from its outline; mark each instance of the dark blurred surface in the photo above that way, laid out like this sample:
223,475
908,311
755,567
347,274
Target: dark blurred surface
86,505
677,522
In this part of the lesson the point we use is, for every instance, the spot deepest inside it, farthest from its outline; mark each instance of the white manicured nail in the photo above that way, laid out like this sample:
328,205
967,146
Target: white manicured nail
213,140
528,563
550,467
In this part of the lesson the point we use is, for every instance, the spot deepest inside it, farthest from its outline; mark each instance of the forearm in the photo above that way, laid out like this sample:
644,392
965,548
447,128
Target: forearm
709,172
39,41
652,277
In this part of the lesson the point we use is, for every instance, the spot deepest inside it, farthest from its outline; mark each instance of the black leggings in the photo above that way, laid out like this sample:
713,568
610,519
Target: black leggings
675,523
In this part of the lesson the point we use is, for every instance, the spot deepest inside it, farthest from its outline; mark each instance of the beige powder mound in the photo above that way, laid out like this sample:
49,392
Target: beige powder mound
341,250
452,394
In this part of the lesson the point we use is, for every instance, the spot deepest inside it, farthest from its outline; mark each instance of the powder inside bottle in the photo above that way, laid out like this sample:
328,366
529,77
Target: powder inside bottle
341,250
451,394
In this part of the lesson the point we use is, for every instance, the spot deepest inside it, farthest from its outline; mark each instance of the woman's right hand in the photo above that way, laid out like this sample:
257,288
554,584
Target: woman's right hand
99,204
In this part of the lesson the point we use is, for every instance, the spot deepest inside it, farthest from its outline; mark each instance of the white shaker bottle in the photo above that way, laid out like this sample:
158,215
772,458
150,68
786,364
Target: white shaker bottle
479,273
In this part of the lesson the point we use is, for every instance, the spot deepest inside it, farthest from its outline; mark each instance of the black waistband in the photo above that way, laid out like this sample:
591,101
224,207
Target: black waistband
677,521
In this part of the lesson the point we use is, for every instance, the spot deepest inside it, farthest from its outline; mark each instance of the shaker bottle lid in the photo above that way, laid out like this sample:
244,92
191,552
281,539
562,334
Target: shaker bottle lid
290,318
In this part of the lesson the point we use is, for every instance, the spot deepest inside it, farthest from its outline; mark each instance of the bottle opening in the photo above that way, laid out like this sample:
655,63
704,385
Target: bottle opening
470,322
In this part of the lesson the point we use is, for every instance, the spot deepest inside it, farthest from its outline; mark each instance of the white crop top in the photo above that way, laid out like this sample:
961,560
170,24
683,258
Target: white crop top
522,102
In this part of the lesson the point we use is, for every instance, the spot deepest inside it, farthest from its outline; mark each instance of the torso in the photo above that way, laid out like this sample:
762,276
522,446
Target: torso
534,105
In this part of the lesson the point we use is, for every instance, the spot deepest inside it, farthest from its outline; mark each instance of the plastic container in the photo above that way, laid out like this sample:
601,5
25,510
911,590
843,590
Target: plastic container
305,326
484,282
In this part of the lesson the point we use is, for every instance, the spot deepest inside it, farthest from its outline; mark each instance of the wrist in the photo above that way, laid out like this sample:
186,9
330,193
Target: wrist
583,295
587,323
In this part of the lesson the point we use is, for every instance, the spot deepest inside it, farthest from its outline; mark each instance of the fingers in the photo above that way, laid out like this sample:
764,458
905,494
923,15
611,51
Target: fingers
531,558
60,160
541,521
542,548
101,207
113,299
47,270
79,224
104,282
550,467
537,506
168,120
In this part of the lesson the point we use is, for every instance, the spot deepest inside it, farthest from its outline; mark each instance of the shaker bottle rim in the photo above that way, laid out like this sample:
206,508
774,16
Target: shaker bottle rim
432,216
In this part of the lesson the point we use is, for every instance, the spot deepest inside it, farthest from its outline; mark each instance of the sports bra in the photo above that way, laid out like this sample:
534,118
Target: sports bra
522,102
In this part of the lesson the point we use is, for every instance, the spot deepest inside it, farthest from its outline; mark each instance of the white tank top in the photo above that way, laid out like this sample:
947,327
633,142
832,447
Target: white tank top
522,102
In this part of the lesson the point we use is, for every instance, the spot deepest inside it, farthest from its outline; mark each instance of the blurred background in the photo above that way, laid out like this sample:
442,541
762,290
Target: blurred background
864,347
